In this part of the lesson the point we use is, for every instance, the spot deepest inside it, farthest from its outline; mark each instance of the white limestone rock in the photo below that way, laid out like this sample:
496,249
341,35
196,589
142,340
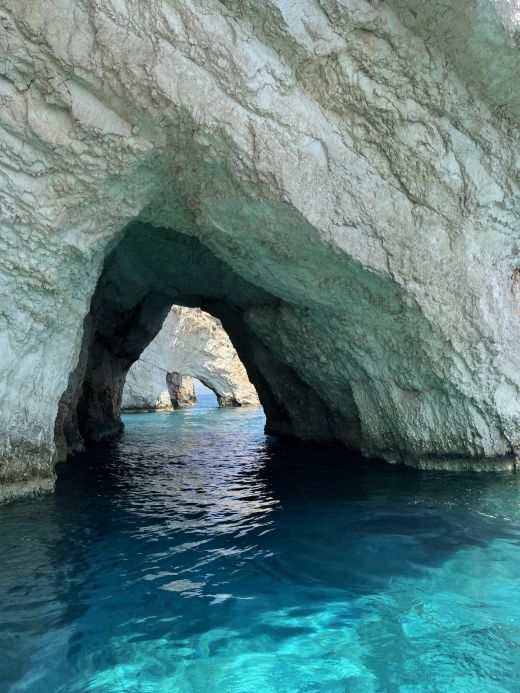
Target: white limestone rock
356,160
190,343
181,389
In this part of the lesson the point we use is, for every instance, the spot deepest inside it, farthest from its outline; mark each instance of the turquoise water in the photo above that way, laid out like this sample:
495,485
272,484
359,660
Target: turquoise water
196,554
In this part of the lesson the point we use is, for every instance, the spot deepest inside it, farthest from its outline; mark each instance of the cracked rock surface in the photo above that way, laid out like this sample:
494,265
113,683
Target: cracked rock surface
194,344
356,162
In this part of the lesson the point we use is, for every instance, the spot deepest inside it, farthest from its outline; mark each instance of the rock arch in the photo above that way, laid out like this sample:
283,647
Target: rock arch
344,198
132,299
194,344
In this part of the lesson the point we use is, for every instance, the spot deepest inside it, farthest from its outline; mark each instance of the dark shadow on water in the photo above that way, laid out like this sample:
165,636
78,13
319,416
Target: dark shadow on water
331,507
185,508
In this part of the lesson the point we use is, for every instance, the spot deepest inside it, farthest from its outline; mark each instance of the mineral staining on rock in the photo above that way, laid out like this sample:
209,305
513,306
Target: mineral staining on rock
345,172
190,343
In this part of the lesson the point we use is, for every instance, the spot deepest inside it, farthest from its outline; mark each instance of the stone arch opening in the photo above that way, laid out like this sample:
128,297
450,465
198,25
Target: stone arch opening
191,344
150,269
207,395
186,390
386,309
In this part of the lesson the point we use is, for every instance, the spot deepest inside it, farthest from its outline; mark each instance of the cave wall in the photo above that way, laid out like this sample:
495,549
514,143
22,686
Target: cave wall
191,343
354,160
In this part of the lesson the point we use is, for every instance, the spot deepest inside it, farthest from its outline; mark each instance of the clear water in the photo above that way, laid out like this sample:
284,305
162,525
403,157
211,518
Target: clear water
198,555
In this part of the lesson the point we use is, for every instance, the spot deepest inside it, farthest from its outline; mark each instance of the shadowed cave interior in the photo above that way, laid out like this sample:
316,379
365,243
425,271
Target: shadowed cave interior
150,269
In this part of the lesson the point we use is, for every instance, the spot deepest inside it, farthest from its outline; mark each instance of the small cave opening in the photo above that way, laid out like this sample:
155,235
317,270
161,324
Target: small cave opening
205,396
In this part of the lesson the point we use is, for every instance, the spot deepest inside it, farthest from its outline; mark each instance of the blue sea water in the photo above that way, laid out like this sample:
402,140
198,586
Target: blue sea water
196,554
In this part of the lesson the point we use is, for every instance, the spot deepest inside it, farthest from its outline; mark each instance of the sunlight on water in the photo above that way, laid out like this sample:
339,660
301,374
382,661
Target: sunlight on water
197,554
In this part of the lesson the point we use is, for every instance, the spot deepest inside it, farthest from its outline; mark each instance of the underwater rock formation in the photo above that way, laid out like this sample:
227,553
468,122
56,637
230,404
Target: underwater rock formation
336,181
190,343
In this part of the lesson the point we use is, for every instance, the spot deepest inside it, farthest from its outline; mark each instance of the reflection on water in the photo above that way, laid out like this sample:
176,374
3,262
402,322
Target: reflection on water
197,554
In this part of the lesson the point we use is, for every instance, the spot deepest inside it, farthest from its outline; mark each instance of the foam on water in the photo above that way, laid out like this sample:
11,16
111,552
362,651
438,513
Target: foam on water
197,554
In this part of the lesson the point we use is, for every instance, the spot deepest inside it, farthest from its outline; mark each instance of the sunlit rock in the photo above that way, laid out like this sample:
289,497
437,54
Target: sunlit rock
181,390
190,343
336,181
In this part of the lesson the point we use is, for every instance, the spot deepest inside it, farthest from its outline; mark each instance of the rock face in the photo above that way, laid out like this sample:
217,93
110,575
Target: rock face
190,343
336,180
181,389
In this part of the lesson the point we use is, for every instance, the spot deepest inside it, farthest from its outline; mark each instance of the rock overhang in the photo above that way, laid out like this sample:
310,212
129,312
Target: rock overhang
358,169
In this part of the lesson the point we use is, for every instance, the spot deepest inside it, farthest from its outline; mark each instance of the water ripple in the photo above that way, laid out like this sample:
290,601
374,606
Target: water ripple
197,554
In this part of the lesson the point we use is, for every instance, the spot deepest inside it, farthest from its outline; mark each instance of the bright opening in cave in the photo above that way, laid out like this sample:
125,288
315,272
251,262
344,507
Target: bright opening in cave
205,396
191,346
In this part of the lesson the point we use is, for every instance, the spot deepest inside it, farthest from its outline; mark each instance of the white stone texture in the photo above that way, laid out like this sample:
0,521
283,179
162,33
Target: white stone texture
181,389
191,343
359,160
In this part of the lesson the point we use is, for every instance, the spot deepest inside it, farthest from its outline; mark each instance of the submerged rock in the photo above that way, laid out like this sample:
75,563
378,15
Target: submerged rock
190,343
336,181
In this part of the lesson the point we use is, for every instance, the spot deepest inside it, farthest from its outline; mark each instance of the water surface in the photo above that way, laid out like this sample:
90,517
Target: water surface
196,554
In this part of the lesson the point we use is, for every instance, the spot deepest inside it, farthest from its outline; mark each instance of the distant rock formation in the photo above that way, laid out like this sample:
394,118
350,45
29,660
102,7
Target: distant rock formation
181,389
190,343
